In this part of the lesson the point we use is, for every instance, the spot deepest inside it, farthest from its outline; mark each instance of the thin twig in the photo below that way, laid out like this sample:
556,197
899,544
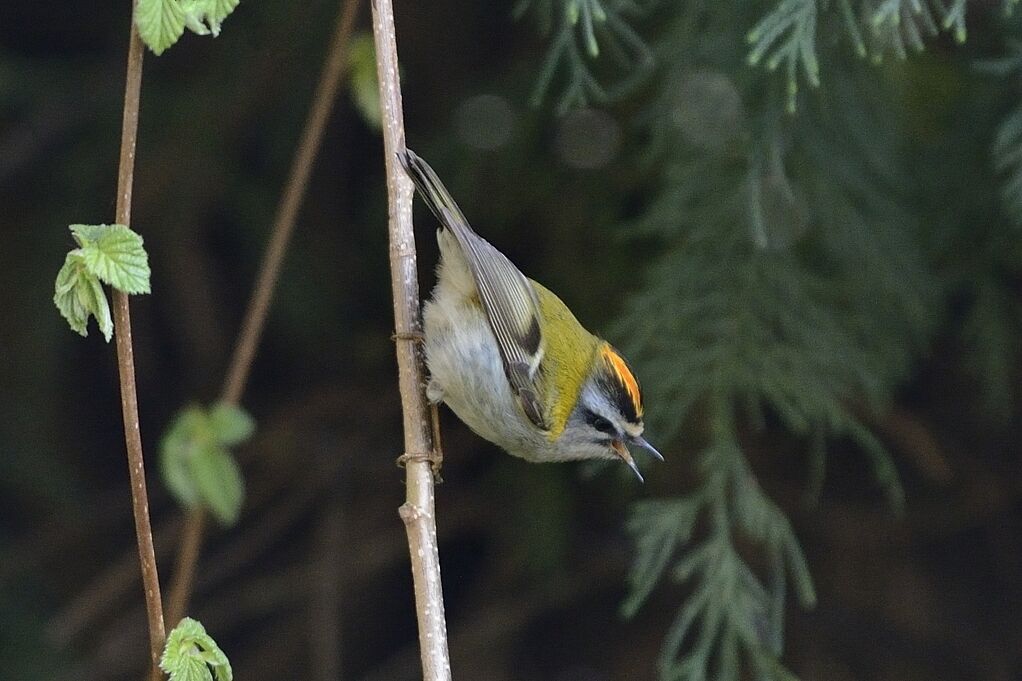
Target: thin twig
126,359
287,211
185,564
418,510
330,81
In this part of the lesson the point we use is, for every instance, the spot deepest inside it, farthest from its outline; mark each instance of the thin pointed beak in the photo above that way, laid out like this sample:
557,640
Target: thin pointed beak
626,456
641,441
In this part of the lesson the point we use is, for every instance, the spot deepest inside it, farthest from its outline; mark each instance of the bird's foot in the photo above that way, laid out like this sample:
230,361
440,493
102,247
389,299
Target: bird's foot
434,393
434,458
414,336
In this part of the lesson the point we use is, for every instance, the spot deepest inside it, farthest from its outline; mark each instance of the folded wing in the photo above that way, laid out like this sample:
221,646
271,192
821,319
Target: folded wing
508,298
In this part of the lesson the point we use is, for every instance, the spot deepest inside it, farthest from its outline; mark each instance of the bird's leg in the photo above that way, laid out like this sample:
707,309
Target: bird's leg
436,457
436,461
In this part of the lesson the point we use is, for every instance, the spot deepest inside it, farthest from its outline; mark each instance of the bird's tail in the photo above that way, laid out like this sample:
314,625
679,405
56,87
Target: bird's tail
435,194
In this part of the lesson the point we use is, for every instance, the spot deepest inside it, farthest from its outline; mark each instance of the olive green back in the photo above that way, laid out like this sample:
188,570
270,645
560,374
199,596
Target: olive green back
568,356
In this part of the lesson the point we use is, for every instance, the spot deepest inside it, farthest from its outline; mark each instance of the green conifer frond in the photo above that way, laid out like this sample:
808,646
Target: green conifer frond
579,31
790,290
659,528
731,614
787,36
897,26
794,289
954,20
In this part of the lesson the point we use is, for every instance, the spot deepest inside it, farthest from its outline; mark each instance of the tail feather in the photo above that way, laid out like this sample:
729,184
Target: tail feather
435,194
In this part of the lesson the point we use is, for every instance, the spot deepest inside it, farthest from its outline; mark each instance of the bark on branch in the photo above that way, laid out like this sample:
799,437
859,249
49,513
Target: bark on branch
126,358
418,510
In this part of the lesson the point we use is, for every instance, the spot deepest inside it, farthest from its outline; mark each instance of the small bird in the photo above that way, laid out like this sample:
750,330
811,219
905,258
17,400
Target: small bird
510,359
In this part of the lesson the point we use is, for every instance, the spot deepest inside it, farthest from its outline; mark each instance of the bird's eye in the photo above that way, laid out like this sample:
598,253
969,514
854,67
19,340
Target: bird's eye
600,423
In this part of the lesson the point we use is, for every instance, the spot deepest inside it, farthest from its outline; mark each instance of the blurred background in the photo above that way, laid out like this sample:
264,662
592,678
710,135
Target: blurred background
819,287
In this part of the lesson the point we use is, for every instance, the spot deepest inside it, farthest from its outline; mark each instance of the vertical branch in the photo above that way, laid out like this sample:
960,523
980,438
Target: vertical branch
126,358
334,70
418,510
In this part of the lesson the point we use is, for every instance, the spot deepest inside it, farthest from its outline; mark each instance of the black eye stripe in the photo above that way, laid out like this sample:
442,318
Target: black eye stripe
600,423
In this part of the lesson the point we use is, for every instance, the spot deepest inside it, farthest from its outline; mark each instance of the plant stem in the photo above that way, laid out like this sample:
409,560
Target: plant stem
126,359
334,70
185,564
287,210
418,510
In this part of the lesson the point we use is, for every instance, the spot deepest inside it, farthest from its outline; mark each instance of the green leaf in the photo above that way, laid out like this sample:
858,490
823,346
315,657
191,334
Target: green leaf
191,654
219,481
160,23
196,464
176,451
115,254
85,235
79,295
365,92
231,424
221,9
204,17
195,15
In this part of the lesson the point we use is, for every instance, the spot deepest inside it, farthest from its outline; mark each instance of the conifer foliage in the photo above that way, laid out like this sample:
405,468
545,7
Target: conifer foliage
795,287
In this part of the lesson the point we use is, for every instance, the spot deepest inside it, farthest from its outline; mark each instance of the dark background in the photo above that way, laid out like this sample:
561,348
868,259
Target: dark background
313,582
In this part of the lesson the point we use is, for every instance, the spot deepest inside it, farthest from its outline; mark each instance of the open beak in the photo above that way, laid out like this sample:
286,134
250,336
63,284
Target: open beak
626,456
640,441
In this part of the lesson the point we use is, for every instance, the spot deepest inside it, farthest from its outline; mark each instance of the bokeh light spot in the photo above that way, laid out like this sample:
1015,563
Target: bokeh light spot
484,121
708,110
588,139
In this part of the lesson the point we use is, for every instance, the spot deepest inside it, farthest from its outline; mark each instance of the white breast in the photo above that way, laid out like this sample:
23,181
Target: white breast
465,366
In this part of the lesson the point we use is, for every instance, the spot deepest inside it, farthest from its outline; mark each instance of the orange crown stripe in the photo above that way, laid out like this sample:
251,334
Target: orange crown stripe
625,375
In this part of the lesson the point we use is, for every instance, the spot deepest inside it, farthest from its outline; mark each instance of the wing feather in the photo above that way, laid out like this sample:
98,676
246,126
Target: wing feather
507,296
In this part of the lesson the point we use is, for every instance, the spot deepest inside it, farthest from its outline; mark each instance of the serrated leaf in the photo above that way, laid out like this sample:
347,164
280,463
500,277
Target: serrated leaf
79,295
115,254
65,296
231,425
160,23
195,15
221,10
219,481
205,16
87,234
191,654
364,88
191,668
